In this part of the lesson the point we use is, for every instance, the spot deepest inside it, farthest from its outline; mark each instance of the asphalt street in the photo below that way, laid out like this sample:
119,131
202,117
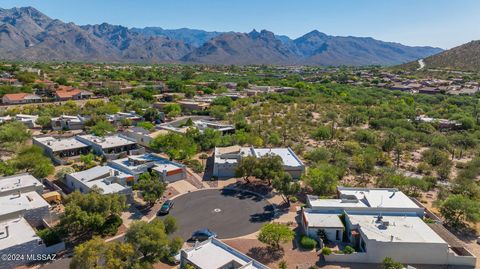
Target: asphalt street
228,213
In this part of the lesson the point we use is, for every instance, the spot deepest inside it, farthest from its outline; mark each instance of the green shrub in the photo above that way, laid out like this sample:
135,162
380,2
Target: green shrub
323,235
326,251
51,236
308,243
322,133
293,199
196,165
348,250
110,227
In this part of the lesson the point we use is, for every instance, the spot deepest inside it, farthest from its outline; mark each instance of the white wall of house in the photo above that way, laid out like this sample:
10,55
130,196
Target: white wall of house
330,232
409,253
224,170
175,177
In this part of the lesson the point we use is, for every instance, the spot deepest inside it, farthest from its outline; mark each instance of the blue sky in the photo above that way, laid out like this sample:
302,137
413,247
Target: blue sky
442,23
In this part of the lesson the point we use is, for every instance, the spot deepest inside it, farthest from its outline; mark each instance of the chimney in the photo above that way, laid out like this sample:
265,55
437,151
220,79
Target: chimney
6,232
391,238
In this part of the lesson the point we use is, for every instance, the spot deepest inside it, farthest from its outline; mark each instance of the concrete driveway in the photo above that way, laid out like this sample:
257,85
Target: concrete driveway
228,213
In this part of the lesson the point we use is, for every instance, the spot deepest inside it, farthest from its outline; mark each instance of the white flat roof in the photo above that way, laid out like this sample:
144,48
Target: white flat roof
60,144
98,172
335,203
17,182
323,220
288,156
158,163
101,176
69,118
213,254
106,186
24,201
399,229
106,142
19,232
382,198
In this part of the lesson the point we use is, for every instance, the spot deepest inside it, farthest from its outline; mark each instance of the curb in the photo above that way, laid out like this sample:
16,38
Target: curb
275,209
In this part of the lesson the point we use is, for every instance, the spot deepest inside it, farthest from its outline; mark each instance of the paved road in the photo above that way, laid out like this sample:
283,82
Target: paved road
228,213
63,263
421,62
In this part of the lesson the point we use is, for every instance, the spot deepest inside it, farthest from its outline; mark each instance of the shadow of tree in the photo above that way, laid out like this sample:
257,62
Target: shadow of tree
265,254
261,217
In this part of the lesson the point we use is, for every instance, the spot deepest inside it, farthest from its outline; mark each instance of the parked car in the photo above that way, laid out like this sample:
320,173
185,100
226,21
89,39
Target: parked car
202,235
478,240
166,207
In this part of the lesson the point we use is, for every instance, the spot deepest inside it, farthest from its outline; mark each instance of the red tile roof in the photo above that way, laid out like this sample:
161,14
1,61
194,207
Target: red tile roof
16,96
67,93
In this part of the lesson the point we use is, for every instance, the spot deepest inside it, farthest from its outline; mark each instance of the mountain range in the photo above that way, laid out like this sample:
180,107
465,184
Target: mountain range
28,34
463,57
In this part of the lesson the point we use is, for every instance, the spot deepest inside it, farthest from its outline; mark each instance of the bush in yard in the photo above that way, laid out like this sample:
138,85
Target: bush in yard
196,166
348,250
110,227
51,236
389,263
307,242
323,235
273,234
326,251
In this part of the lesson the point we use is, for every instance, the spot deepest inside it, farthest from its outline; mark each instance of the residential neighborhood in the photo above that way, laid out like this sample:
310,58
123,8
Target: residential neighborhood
128,140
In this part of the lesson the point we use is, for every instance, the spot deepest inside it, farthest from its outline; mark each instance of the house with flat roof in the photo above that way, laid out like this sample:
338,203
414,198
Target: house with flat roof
324,214
214,254
201,125
406,239
192,105
379,223
66,122
20,195
136,165
443,124
19,183
111,147
29,120
119,116
143,136
30,205
61,150
18,237
106,178
366,200
227,158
